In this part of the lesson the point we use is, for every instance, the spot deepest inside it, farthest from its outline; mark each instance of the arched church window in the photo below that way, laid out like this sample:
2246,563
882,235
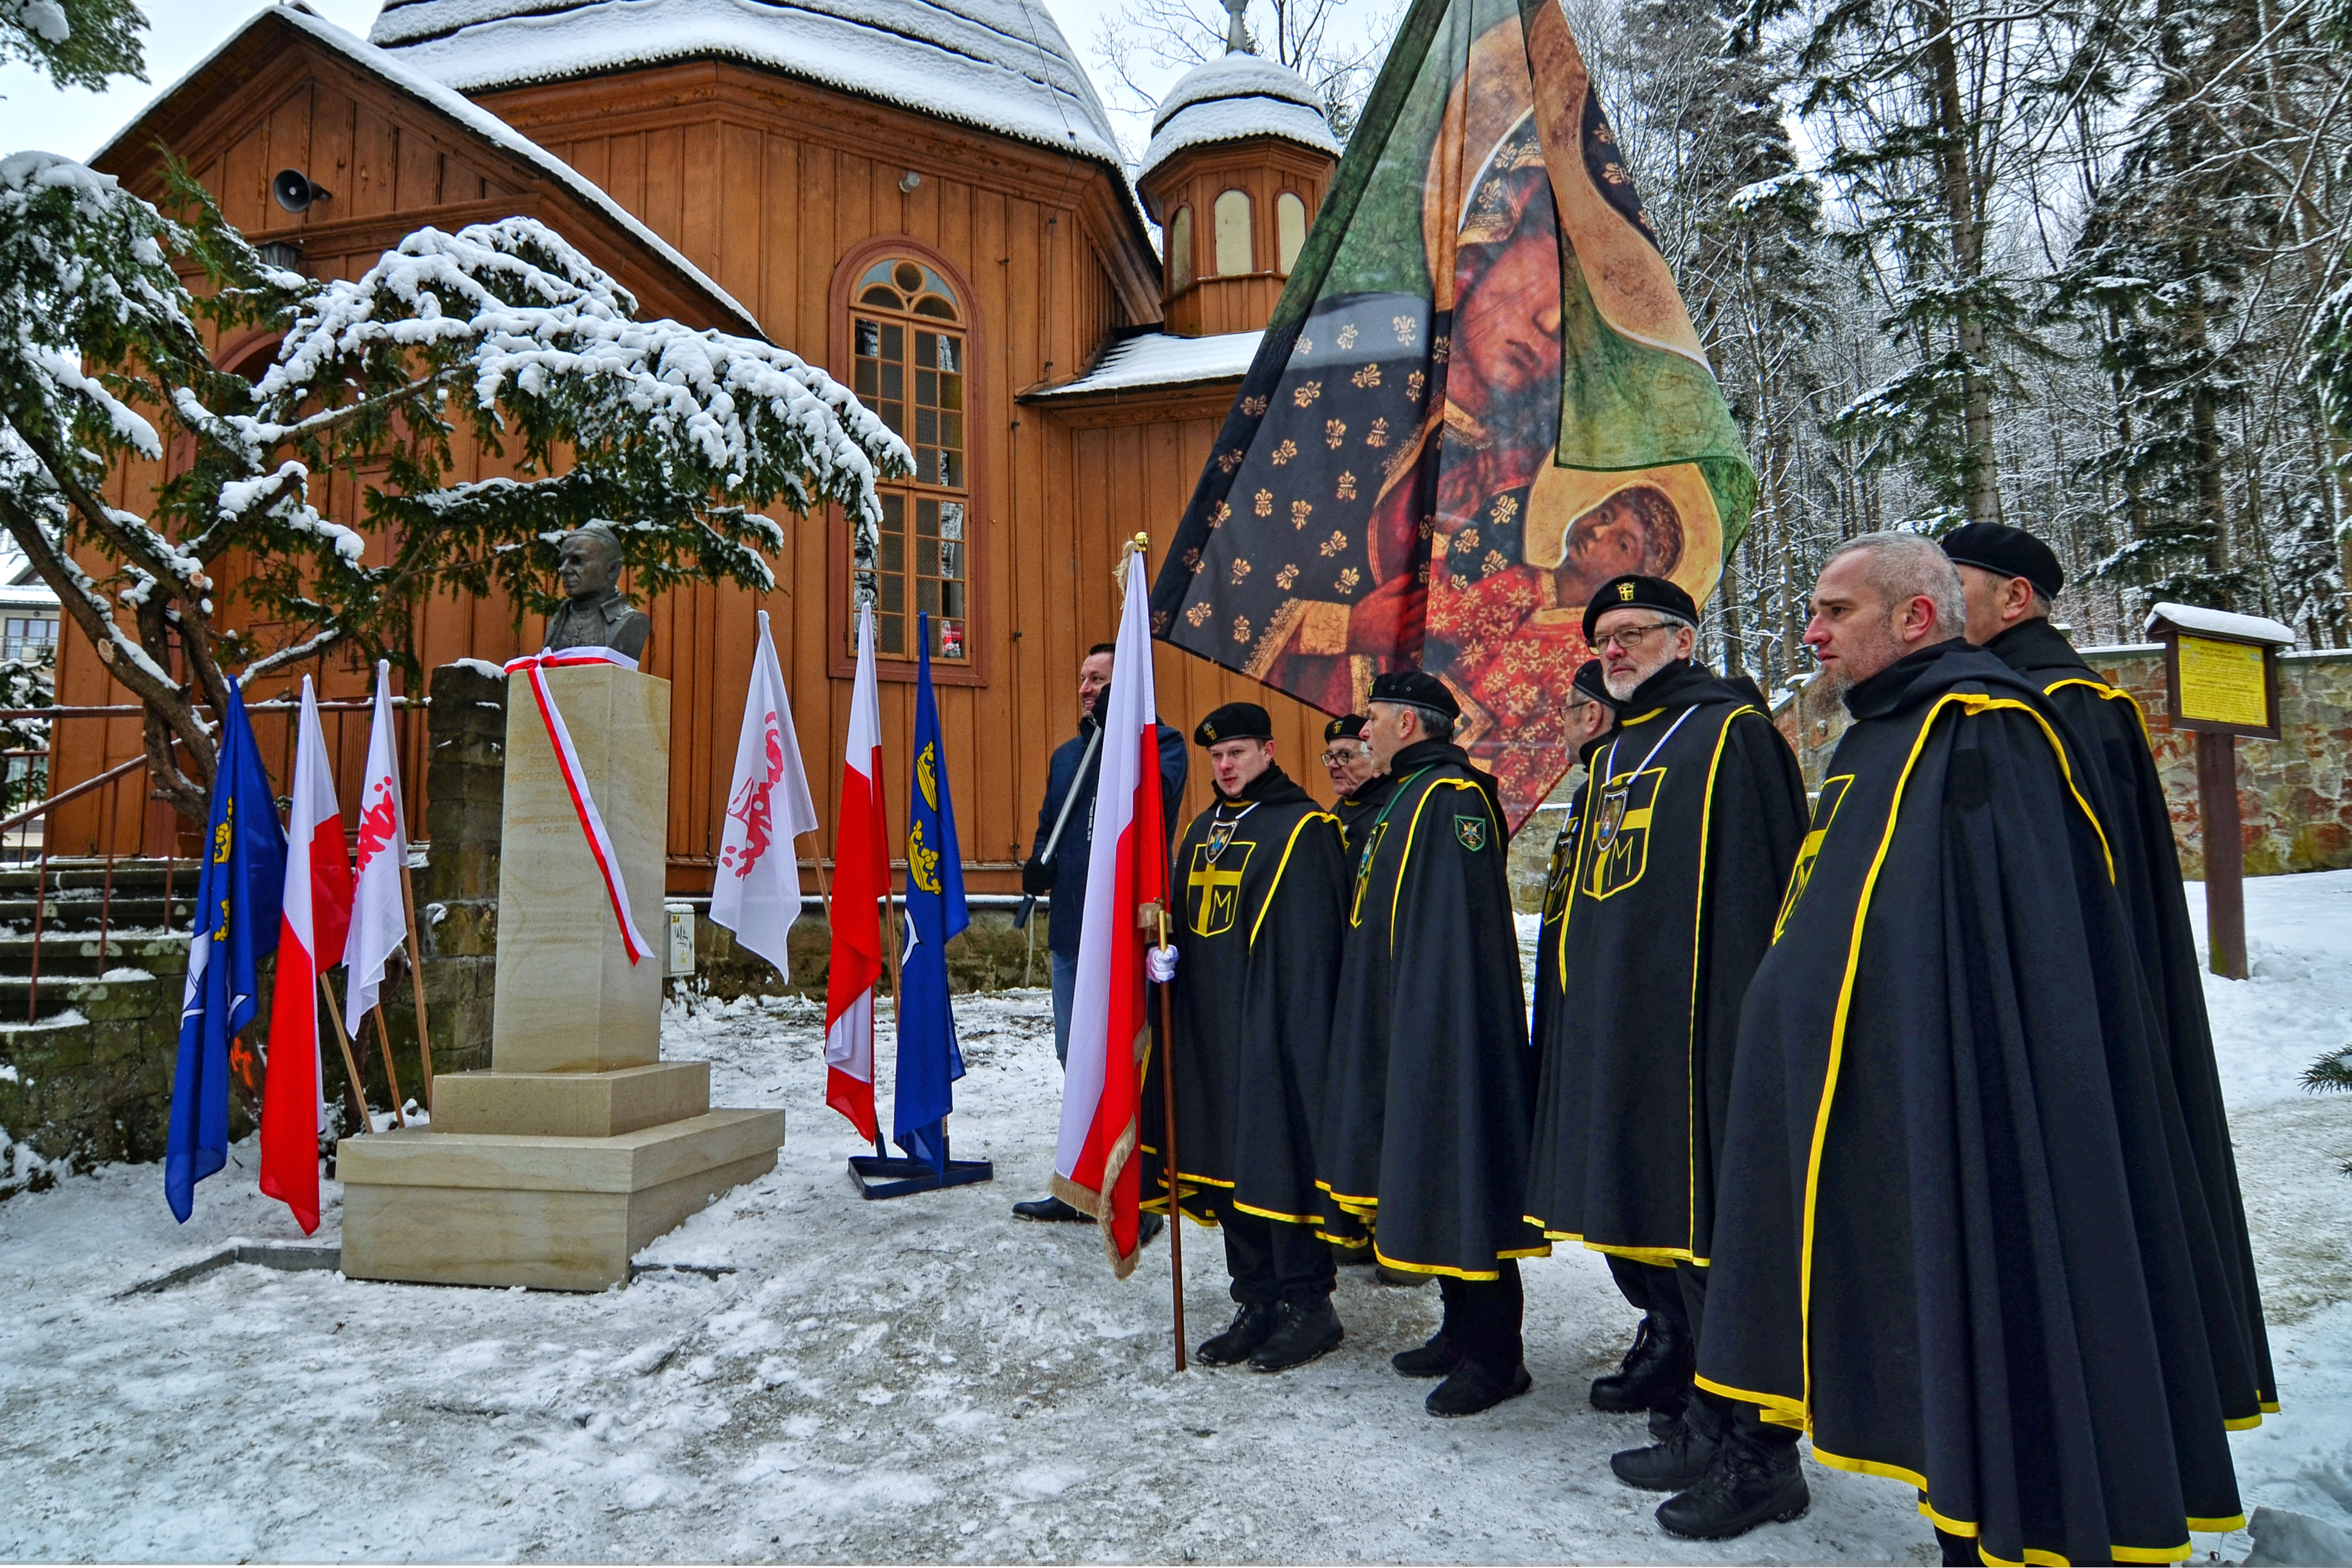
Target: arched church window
908,337
1289,228
1179,251
1233,214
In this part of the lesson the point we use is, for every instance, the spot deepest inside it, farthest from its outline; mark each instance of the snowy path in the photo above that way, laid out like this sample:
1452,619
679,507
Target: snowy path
929,1379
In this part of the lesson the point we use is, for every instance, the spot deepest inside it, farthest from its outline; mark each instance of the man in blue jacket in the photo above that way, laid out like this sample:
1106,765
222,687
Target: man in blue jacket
1061,879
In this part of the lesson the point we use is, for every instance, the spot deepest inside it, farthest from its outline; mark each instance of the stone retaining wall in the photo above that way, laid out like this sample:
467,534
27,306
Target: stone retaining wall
2293,793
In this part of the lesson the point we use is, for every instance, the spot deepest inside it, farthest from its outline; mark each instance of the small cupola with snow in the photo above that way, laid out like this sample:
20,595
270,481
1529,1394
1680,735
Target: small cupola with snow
1239,160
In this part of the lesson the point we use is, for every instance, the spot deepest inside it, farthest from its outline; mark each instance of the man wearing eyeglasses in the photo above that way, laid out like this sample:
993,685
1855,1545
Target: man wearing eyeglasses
1349,762
1693,812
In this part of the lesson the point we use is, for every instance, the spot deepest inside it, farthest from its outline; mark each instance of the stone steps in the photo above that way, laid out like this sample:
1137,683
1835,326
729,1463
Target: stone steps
76,953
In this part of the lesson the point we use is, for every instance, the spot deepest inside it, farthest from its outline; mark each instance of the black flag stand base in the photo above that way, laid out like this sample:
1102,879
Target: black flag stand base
881,1176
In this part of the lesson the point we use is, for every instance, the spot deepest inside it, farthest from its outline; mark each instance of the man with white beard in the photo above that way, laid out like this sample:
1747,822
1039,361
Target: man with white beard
1692,816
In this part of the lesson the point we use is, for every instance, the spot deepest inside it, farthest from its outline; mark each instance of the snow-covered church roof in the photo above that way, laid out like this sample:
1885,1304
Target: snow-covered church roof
1230,98
999,64
383,64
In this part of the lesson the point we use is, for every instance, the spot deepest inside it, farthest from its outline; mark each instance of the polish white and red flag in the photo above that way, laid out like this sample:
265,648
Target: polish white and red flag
379,916
1095,1168
861,878
757,892
314,915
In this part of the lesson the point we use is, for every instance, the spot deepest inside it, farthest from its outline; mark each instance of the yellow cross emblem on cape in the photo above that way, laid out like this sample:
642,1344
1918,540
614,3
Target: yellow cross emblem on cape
1217,897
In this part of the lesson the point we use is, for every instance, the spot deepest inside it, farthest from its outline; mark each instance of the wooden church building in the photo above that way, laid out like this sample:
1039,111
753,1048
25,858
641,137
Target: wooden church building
925,197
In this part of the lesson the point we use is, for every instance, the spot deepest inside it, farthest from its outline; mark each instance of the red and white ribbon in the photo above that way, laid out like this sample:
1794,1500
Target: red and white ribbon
567,760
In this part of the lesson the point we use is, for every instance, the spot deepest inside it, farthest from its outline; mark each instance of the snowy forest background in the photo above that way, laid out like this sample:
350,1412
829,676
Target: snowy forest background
2077,265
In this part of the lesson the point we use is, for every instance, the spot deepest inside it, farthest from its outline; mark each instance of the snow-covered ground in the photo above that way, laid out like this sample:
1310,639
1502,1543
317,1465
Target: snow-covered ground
928,1378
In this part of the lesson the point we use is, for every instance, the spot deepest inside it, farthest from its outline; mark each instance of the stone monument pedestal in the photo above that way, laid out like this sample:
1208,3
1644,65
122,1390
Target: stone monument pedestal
581,1144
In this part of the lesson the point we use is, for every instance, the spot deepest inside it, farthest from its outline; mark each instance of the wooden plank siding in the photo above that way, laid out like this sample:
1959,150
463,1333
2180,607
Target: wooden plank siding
769,186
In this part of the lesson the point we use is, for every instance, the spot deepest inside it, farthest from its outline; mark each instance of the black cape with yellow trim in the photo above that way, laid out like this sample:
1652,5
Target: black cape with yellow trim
1261,882
1423,1134
1690,826
1947,1239
2148,874
1557,874
1351,809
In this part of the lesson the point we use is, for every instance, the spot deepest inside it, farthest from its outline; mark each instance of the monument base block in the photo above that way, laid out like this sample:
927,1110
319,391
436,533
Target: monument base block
548,1212
571,1104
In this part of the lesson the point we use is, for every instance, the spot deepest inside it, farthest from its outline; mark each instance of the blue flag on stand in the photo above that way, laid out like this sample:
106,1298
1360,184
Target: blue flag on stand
929,1062
236,927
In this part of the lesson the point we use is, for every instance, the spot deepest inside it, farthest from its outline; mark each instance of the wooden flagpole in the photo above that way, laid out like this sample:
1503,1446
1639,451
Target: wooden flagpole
350,1062
390,1073
1168,1130
417,980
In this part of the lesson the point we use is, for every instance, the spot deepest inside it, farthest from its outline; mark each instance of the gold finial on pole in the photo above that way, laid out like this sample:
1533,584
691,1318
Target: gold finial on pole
1140,545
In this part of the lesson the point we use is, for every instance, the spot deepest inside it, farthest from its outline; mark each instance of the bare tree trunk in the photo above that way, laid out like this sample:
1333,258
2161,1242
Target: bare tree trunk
1982,483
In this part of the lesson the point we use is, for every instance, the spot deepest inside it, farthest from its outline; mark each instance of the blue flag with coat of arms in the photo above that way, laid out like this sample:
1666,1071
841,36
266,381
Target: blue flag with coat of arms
235,926
928,1059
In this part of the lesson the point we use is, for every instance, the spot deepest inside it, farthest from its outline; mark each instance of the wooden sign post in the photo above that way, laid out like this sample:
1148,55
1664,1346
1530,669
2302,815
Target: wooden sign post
2221,681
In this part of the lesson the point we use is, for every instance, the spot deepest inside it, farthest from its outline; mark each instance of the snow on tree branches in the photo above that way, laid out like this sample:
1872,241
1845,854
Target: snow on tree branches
502,332
76,43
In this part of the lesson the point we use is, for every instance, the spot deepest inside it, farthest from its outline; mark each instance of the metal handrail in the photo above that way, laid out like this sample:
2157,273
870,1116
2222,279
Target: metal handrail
44,807
274,705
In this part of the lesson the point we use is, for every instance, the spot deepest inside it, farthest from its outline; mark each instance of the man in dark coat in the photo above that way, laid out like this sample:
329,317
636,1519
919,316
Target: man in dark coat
1424,1135
1260,885
1948,1240
1592,719
1692,819
1349,762
2009,578
1062,878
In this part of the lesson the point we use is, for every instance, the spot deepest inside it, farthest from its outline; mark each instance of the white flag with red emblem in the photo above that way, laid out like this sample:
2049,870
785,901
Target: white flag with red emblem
861,878
379,917
756,894
313,916
1095,1168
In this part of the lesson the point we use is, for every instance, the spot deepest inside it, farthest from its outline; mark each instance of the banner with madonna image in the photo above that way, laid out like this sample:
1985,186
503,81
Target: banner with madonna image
1479,398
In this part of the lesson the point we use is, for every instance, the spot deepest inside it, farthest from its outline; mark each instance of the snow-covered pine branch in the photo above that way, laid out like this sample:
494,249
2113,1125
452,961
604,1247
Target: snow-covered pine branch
501,332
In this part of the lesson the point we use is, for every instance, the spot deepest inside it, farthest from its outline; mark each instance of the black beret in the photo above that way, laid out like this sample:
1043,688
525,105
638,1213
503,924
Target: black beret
1235,722
1346,727
1415,689
1634,591
1589,683
2009,552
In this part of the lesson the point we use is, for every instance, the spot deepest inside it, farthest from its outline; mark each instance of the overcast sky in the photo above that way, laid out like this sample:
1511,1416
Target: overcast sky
77,122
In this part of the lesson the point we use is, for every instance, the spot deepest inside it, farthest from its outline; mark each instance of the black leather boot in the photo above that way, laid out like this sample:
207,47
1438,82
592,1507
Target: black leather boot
1677,1462
1309,1329
1472,1388
1252,1327
1657,1371
1746,1484
1437,1358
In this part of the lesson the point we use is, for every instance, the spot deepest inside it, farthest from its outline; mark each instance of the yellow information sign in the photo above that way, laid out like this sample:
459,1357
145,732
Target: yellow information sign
2221,682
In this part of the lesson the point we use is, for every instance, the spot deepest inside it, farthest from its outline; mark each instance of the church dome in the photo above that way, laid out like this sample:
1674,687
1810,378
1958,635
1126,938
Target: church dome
999,64
1231,99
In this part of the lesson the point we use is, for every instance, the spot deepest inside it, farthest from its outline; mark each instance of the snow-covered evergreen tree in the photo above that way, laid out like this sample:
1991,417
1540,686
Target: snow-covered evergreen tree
501,329
2159,268
1698,116
74,43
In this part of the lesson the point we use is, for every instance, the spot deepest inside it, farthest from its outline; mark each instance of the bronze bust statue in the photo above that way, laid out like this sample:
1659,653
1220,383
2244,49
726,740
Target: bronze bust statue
595,614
